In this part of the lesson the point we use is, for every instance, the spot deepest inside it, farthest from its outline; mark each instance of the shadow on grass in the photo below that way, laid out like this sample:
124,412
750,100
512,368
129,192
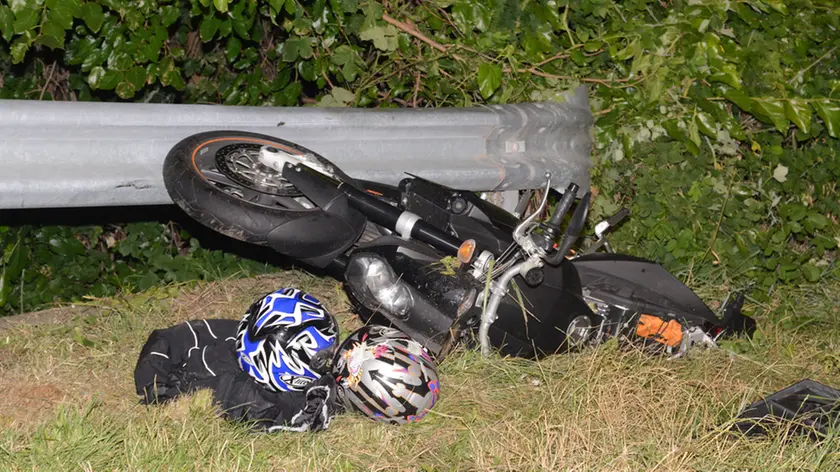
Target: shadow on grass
164,214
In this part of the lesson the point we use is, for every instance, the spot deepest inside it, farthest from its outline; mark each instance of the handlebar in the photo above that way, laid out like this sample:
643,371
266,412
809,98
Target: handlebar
562,207
616,219
572,231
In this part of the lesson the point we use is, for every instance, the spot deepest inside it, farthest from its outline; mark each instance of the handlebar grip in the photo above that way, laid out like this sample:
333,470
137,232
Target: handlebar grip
563,206
616,219
572,231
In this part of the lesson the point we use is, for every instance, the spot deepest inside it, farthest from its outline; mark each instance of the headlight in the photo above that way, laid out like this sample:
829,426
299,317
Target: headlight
375,283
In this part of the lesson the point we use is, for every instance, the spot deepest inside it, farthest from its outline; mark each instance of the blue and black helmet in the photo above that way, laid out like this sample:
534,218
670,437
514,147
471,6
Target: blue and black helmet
281,336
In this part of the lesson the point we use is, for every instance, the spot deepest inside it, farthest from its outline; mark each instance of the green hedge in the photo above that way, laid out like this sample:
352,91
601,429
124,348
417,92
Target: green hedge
717,121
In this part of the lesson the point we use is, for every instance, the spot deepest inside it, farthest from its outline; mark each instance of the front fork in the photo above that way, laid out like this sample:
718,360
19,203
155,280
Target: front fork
498,289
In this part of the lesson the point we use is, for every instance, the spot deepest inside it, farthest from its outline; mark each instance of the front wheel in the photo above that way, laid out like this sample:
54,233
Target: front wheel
218,179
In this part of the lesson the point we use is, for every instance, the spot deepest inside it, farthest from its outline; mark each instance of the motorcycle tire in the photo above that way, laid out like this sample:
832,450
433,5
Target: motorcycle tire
215,178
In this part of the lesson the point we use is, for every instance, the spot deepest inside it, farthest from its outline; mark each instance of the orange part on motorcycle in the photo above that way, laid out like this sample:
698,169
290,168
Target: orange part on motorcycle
652,327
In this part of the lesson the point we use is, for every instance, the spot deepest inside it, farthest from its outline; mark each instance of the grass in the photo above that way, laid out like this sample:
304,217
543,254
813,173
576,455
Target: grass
67,399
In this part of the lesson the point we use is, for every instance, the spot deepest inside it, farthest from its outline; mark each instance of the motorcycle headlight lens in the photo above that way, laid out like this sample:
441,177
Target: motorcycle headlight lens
377,280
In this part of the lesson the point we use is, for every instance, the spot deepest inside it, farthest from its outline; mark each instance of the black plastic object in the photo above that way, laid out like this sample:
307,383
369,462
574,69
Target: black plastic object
641,285
318,231
539,328
313,236
809,407
734,322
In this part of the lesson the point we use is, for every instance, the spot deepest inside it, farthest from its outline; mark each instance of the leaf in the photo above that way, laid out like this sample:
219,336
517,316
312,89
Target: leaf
350,71
811,272
276,5
747,14
7,22
80,338
221,5
289,96
772,110
471,14
208,28
62,12
793,211
778,5
137,77
739,98
780,173
693,132
706,124
338,97
592,46
173,77
5,287
289,50
169,15
727,74
234,46
343,95
799,113
384,37
120,60
92,15
95,77
305,48
675,132
489,79
110,79
126,90
817,220
306,69
342,55
26,20
829,111
52,35
578,58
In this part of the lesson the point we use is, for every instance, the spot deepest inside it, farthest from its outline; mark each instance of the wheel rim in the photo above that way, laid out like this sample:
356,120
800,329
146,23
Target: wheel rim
232,166
240,163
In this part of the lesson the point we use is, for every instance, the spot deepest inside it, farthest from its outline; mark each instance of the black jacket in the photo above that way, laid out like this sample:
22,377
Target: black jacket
202,354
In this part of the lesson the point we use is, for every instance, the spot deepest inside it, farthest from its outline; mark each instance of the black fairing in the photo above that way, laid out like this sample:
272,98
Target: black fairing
641,285
551,307
318,238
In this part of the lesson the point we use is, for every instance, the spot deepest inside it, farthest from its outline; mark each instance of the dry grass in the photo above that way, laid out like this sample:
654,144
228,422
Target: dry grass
67,400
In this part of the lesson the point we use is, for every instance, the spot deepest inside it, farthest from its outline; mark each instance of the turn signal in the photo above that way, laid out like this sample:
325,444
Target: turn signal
465,252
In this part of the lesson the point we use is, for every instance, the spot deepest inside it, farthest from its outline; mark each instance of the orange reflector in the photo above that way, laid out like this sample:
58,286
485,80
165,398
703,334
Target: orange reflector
465,252
657,329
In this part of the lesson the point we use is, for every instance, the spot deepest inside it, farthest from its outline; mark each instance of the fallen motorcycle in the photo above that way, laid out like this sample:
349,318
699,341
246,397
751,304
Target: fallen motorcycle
443,265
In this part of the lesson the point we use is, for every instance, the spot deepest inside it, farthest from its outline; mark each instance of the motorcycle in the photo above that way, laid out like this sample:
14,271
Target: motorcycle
444,265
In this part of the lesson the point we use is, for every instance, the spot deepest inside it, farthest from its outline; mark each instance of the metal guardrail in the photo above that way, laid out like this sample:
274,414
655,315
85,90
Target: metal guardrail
74,154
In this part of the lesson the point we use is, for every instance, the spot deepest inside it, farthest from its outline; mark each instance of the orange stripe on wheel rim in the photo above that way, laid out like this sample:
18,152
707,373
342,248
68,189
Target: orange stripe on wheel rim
245,139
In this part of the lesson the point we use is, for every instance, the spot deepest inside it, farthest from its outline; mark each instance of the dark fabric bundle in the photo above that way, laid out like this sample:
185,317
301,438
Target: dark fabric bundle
202,354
